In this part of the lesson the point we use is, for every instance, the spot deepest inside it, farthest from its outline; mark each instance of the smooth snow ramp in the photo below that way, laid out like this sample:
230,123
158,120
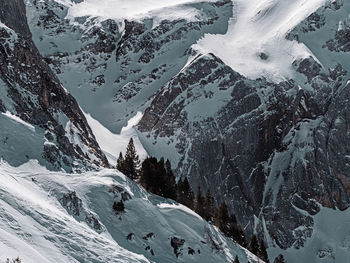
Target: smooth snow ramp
255,44
112,144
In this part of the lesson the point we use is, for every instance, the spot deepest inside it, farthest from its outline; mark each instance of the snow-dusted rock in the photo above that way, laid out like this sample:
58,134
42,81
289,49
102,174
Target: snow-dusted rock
32,92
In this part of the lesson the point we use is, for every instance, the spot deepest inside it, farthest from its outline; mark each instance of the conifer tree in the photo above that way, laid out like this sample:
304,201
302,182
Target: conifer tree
184,194
147,178
200,203
131,161
170,183
222,218
210,209
235,231
254,245
120,162
157,177
236,260
263,253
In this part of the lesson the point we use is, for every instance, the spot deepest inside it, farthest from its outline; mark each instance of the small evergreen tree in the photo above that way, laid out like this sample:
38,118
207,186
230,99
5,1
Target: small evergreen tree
120,163
279,259
184,194
235,231
209,207
119,206
222,218
236,260
131,161
263,253
254,245
170,183
199,206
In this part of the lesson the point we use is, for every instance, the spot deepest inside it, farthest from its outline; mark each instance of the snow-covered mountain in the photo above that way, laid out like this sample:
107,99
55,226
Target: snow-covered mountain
246,98
39,118
57,217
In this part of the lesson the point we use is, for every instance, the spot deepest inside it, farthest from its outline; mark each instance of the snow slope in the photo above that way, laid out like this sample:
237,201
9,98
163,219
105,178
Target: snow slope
255,44
57,217
35,227
112,144
133,9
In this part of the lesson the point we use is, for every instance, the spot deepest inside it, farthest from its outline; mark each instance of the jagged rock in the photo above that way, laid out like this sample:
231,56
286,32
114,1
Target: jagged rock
92,221
260,141
177,244
36,96
148,236
191,251
126,59
275,152
72,202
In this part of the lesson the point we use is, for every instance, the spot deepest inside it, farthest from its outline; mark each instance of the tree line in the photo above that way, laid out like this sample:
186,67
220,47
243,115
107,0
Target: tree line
156,176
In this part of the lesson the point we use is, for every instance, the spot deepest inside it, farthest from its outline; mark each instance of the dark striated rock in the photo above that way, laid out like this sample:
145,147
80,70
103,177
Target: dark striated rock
13,14
257,148
309,67
341,40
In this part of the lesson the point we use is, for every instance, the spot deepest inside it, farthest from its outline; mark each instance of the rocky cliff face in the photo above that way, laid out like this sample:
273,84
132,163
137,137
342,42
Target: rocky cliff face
275,152
112,67
32,92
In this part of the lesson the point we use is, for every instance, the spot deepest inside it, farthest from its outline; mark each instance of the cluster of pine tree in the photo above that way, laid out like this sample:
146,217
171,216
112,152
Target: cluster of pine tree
226,222
258,249
157,177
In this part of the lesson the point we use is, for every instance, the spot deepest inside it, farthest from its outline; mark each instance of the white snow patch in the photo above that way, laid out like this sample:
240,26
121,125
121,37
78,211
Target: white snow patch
5,26
19,120
180,207
134,9
260,26
112,144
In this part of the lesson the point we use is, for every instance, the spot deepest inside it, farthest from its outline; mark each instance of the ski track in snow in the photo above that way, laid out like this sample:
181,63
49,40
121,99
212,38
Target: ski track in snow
261,27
